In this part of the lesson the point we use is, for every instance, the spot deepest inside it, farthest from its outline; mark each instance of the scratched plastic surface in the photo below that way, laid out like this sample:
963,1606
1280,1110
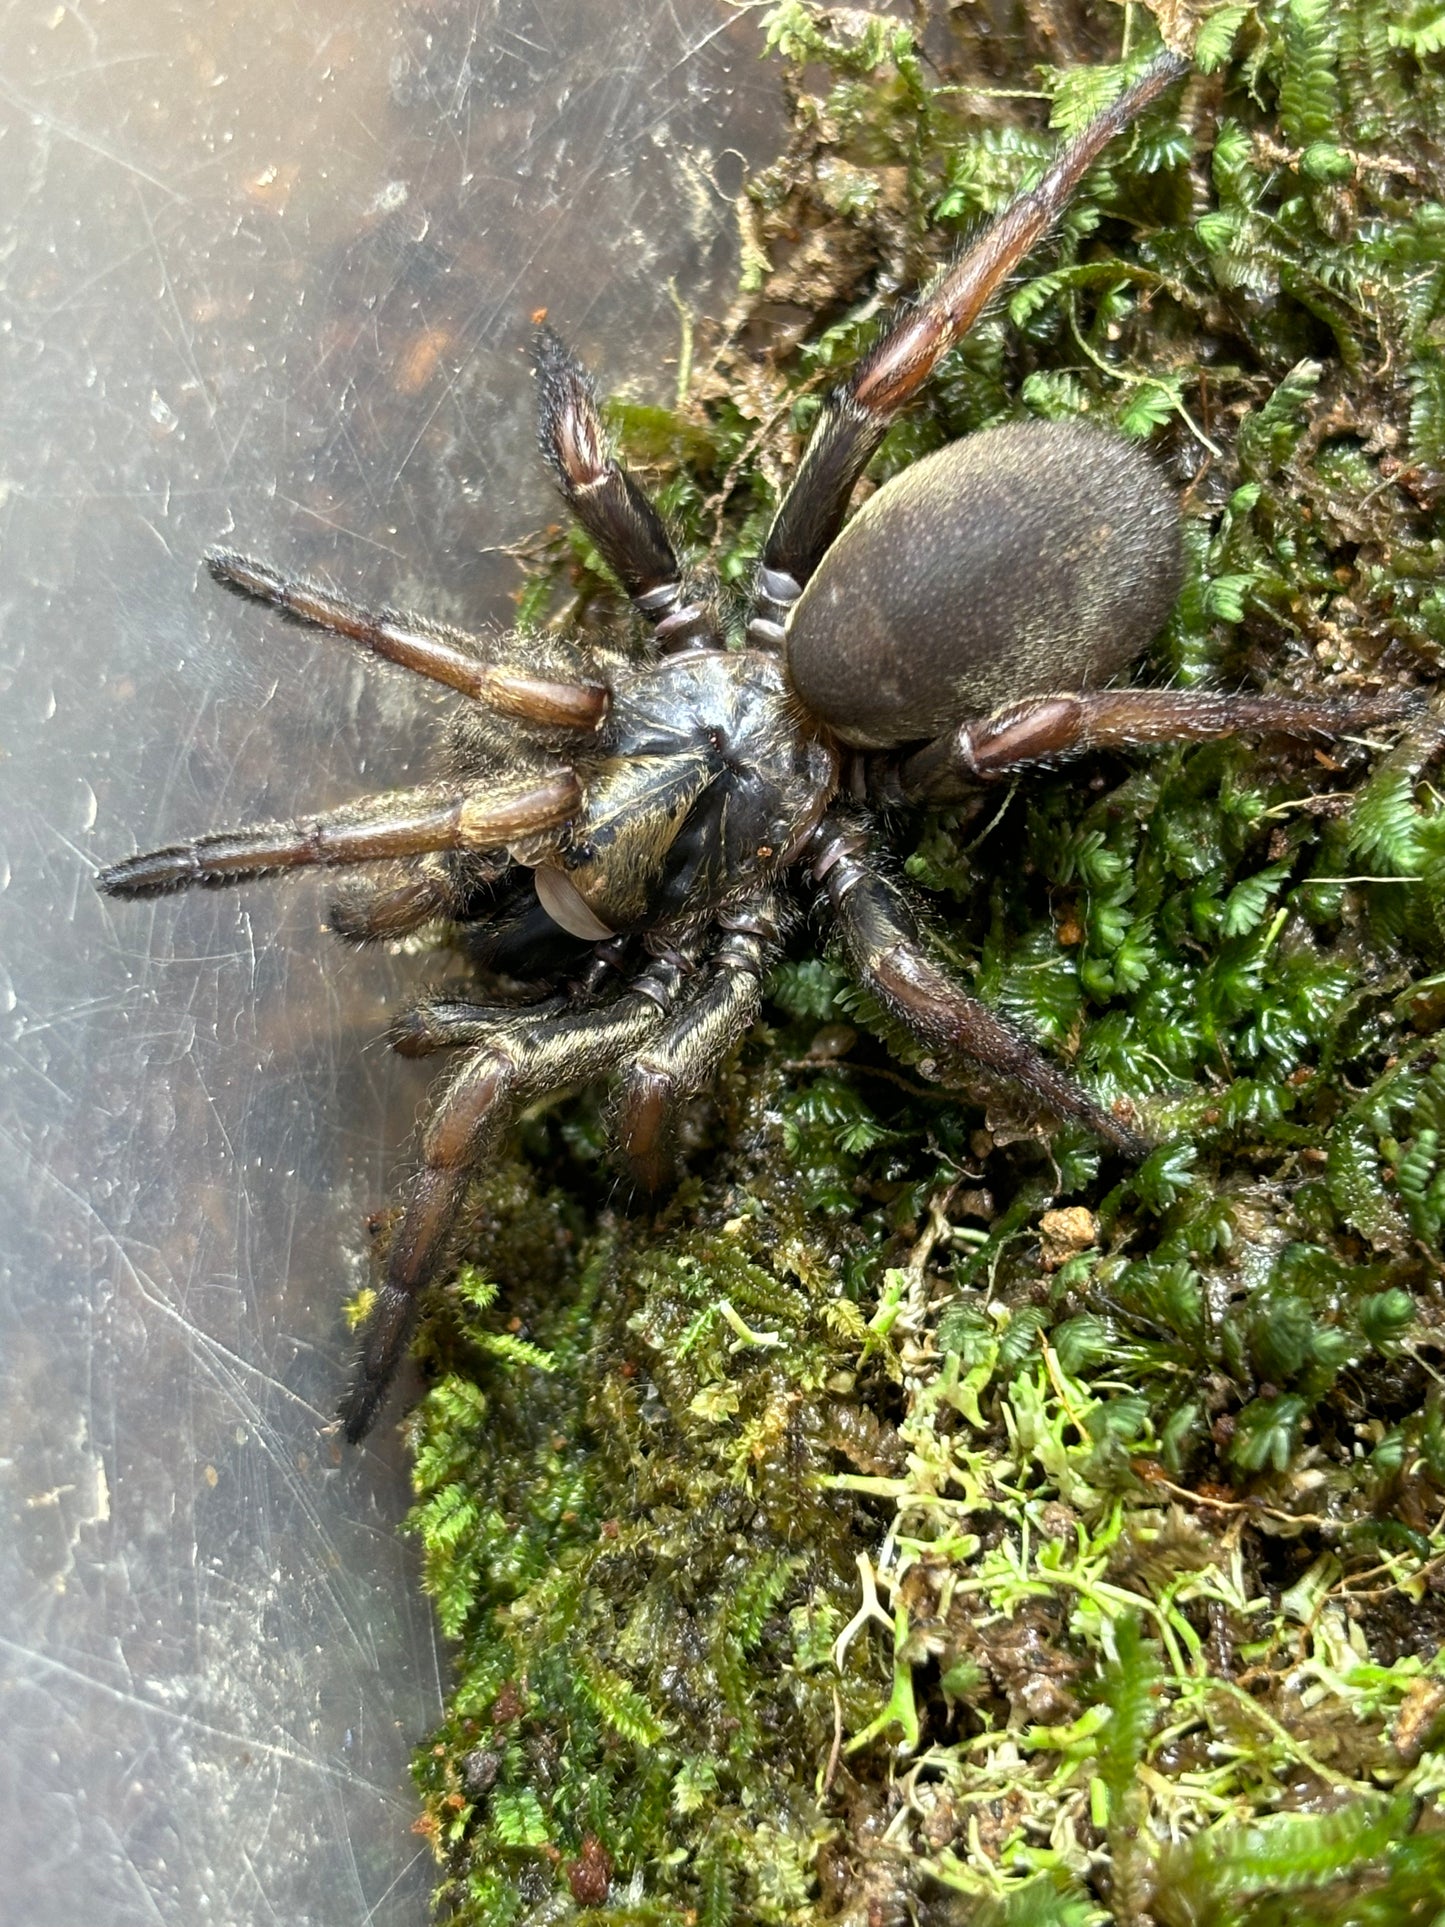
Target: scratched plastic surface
265,277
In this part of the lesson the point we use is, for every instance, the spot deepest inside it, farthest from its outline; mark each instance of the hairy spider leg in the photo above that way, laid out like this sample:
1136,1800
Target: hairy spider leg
401,823
520,1062
856,415
683,1057
439,1023
612,509
404,896
882,942
464,662
1049,729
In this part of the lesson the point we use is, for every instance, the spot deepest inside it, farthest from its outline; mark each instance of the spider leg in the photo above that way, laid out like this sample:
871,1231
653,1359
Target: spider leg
407,895
399,824
1048,729
441,1023
518,1063
883,944
682,1058
449,656
613,510
448,1022
856,415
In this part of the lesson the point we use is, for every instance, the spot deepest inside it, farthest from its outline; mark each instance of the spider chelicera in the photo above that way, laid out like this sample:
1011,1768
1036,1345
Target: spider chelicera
624,826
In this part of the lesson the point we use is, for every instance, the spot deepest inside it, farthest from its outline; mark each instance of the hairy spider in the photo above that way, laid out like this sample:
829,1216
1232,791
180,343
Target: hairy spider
622,826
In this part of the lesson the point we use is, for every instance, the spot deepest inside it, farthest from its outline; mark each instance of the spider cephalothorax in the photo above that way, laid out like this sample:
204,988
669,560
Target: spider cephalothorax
626,826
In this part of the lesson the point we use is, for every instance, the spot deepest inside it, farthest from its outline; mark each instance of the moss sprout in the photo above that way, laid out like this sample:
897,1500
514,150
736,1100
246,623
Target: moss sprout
913,1517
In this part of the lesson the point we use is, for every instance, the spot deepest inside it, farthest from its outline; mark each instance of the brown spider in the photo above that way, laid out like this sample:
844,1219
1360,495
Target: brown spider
620,825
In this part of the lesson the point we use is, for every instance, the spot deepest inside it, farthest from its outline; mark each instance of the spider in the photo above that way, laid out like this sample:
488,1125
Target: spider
623,825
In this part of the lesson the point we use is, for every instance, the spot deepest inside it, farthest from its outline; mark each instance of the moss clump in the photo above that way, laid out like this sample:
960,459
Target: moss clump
915,1515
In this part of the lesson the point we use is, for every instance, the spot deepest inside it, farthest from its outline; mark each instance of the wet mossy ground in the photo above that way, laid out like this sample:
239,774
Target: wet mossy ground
920,1516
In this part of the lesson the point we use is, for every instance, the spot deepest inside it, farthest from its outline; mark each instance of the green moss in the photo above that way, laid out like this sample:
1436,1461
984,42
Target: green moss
916,1513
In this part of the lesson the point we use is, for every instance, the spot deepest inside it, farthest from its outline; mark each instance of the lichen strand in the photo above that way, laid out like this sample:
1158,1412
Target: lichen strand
912,1516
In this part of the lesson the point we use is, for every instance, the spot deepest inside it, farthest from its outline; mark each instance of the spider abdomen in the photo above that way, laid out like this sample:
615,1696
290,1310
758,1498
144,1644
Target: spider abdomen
1031,558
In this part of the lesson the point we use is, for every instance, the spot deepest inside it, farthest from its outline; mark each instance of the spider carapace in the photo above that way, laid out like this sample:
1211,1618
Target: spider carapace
626,827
